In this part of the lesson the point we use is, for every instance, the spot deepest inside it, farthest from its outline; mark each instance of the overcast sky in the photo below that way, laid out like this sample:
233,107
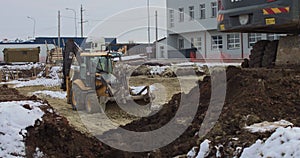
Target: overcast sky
125,19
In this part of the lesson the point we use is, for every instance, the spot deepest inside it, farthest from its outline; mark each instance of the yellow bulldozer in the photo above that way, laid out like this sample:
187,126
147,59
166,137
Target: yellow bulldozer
94,78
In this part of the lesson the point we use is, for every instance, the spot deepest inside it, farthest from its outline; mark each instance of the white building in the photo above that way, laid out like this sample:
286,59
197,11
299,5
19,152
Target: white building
193,23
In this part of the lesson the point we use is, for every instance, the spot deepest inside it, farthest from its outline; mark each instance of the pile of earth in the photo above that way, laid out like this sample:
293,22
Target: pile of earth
11,94
53,136
252,96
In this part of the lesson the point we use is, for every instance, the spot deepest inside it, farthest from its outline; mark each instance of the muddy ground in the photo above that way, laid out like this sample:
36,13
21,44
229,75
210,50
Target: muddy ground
252,95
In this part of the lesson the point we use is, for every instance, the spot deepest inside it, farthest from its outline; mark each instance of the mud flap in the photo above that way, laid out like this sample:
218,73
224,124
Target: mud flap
288,52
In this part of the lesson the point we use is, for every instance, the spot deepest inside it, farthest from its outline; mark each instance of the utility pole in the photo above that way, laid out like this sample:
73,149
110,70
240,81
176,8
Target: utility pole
156,27
81,20
58,29
156,34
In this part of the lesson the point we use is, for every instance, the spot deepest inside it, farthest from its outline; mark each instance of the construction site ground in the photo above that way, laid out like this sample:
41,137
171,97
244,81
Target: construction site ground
169,87
252,96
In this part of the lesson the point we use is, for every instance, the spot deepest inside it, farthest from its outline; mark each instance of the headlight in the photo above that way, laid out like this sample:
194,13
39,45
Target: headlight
244,19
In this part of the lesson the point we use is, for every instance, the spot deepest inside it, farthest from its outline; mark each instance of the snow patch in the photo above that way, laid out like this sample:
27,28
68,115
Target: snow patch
14,119
47,82
284,142
267,126
36,82
207,64
139,88
157,70
54,71
192,153
29,66
204,149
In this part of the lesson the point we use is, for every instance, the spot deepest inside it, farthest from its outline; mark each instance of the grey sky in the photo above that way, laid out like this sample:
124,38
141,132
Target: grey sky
15,23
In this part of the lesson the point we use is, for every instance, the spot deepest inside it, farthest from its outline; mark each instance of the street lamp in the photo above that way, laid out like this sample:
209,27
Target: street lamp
74,20
33,25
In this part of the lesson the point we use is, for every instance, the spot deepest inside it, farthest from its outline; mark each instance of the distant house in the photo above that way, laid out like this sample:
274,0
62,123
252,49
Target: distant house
43,42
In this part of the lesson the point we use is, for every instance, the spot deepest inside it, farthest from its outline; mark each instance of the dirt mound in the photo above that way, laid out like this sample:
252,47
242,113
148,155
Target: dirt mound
141,70
53,136
11,94
252,95
56,138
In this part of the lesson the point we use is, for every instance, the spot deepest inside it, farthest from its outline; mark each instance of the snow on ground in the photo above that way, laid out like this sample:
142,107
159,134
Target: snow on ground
267,126
52,94
47,82
204,149
284,142
55,71
23,66
14,119
139,88
156,70
207,64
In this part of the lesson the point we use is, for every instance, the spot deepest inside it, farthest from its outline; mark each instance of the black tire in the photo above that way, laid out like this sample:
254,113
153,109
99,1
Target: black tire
76,97
260,45
257,53
92,103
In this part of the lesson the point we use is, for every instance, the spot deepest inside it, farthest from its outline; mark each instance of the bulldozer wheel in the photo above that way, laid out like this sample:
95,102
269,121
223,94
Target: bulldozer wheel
75,97
92,103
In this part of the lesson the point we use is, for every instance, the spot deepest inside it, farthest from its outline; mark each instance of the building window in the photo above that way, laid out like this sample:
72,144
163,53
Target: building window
202,11
171,12
191,12
214,9
180,43
181,14
199,43
192,43
233,41
216,42
253,38
273,36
